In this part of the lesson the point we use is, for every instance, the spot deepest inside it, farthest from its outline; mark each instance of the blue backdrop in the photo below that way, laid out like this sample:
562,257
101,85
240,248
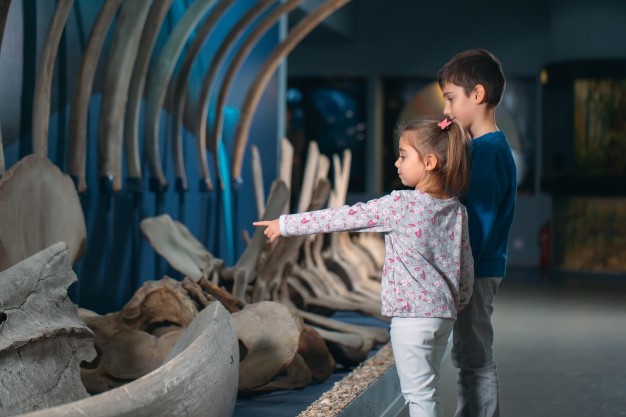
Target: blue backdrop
118,258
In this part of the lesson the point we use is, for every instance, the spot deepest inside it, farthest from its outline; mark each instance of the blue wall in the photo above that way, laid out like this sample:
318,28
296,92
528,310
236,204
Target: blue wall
118,258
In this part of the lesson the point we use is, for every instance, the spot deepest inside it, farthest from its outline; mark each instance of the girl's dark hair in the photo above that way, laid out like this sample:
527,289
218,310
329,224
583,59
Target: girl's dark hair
450,145
470,68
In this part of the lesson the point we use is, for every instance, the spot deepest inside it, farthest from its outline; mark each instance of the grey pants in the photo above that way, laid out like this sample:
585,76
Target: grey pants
472,353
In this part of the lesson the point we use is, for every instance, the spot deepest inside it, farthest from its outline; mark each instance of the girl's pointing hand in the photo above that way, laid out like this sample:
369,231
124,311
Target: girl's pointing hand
272,230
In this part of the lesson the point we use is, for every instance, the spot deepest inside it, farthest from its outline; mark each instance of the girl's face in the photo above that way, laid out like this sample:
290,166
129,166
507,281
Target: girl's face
412,168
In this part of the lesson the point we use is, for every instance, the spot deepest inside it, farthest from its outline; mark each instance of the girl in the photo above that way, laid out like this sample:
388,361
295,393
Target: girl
428,273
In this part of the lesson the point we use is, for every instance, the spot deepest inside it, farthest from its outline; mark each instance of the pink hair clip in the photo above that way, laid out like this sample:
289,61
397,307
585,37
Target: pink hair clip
444,123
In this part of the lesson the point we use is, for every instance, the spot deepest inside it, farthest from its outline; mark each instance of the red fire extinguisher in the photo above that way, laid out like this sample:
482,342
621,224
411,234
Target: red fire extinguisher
544,246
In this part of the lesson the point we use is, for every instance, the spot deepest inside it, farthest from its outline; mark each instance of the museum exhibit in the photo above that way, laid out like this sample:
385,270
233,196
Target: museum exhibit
142,140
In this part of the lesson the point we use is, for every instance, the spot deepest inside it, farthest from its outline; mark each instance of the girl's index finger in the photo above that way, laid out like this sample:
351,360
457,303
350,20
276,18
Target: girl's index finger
261,223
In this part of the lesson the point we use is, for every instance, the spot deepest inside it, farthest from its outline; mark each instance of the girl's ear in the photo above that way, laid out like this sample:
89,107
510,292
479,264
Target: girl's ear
479,93
431,162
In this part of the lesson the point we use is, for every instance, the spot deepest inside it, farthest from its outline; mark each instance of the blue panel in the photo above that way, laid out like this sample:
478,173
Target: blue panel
118,258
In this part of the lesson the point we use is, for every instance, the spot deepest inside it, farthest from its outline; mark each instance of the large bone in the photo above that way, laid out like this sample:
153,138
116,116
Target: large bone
155,18
311,348
245,270
319,288
232,303
4,12
173,241
348,349
378,334
318,275
39,203
269,335
283,252
77,135
286,166
286,161
43,83
180,92
40,207
310,177
160,80
315,353
257,176
243,51
42,338
303,28
2,163
305,198
134,341
317,293
186,254
196,293
338,256
199,374
207,83
124,48
362,263
298,376
374,245
340,285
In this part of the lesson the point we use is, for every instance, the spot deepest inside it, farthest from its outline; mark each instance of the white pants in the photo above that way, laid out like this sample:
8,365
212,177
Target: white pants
418,346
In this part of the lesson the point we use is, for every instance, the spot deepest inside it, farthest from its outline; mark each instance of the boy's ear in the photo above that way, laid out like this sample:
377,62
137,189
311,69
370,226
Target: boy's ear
479,94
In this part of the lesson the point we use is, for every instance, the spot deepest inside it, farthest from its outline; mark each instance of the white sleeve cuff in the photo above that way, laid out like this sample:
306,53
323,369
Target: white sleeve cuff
283,227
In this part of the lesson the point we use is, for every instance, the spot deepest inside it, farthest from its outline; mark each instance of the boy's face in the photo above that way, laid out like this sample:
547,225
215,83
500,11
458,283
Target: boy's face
459,107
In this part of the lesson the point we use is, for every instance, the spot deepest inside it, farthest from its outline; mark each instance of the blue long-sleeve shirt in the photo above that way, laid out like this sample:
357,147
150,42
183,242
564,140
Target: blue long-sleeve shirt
490,203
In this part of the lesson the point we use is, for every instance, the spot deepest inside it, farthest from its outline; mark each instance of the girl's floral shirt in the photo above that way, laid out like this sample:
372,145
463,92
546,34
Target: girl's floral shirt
428,269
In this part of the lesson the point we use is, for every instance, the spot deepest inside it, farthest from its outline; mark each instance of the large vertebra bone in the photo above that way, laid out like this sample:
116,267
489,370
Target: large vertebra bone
135,340
42,339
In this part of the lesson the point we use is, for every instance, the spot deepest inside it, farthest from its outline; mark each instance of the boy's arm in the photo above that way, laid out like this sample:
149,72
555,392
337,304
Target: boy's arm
466,281
487,186
378,215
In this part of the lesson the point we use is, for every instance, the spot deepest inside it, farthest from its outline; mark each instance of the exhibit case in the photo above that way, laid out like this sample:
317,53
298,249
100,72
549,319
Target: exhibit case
584,163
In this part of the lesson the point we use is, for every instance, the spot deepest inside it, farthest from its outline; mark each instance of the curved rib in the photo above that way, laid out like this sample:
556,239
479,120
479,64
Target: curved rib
120,62
216,62
269,21
155,18
4,11
159,82
263,77
181,85
43,84
79,110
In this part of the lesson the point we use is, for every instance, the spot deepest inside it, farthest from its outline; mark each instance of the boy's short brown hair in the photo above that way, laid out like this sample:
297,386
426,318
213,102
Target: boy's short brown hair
470,68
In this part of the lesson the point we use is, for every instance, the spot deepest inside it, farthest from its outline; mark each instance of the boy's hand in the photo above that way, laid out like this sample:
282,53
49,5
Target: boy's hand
272,231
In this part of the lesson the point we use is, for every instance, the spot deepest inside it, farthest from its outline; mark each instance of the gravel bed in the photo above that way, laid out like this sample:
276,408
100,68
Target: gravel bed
335,400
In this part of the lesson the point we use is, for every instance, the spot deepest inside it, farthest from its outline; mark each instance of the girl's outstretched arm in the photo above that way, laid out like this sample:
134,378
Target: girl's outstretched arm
272,231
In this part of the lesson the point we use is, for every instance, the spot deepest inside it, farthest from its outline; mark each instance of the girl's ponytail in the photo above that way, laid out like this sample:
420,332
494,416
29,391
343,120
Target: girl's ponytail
457,169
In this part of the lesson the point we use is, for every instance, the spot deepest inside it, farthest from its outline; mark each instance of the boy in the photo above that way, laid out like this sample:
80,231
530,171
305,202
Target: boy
472,83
